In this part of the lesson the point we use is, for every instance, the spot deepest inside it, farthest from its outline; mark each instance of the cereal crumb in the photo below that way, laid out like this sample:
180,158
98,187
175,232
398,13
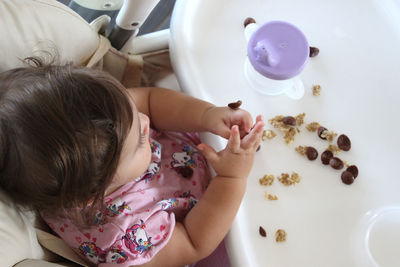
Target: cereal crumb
280,235
289,136
346,163
300,119
288,130
295,177
316,90
334,149
328,135
277,122
287,180
267,179
270,196
313,126
301,150
268,134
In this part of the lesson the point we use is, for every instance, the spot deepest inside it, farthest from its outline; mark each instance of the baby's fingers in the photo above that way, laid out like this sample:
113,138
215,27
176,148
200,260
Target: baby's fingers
234,140
208,152
252,140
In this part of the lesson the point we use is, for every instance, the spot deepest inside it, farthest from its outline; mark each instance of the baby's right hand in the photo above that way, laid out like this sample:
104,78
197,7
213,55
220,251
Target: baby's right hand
236,160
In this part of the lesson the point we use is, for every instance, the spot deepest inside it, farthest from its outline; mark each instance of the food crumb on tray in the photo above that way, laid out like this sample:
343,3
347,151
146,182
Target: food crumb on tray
280,235
287,179
270,196
267,179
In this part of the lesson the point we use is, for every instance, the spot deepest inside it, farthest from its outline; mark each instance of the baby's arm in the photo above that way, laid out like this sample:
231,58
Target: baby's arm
175,111
207,223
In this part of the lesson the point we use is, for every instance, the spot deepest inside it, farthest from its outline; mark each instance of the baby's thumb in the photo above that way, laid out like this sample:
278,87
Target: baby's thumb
208,152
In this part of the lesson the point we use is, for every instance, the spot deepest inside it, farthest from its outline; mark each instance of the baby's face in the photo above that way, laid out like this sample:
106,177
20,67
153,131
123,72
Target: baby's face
136,153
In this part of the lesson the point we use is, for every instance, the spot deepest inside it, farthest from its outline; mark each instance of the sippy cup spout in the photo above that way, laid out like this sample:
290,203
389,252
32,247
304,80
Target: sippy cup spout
266,54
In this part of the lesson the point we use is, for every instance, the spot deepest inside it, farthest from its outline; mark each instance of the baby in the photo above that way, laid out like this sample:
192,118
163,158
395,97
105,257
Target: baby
118,173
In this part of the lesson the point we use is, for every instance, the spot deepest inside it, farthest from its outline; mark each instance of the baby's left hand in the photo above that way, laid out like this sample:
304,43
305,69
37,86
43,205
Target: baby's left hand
219,120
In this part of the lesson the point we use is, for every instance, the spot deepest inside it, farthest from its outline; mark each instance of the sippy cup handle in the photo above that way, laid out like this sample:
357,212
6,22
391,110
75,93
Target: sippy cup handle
249,30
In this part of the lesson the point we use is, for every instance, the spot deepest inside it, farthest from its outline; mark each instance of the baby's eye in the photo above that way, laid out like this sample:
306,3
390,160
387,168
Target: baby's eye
185,158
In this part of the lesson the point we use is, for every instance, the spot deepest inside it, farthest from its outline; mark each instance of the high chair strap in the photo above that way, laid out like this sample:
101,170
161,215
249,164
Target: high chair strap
58,246
102,48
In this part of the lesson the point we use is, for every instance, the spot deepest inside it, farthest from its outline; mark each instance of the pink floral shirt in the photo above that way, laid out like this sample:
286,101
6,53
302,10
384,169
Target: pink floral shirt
140,216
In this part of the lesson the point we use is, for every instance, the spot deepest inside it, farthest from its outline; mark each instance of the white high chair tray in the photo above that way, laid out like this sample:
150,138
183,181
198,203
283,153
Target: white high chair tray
327,222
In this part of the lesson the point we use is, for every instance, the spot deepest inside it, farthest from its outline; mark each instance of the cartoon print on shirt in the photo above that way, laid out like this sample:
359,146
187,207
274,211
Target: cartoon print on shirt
155,148
116,207
192,202
93,253
170,203
192,198
113,208
136,238
99,219
183,162
116,255
153,169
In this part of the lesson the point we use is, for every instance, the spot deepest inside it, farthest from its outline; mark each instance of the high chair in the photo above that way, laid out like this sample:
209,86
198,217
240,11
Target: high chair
328,223
46,28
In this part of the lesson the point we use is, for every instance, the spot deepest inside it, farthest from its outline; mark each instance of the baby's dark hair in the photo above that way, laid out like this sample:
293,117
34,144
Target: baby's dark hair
62,129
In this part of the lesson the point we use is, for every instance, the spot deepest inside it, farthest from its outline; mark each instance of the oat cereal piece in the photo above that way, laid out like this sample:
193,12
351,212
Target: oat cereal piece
270,196
301,150
289,131
334,149
287,180
267,179
300,119
321,132
328,135
295,177
346,164
289,136
313,126
268,134
280,235
316,90
276,121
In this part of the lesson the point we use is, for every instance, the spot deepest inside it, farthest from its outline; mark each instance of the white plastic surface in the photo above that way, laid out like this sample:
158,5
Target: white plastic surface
134,12
358,70
149,42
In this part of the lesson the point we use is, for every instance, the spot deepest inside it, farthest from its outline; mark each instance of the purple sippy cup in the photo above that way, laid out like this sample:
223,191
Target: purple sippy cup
277,52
